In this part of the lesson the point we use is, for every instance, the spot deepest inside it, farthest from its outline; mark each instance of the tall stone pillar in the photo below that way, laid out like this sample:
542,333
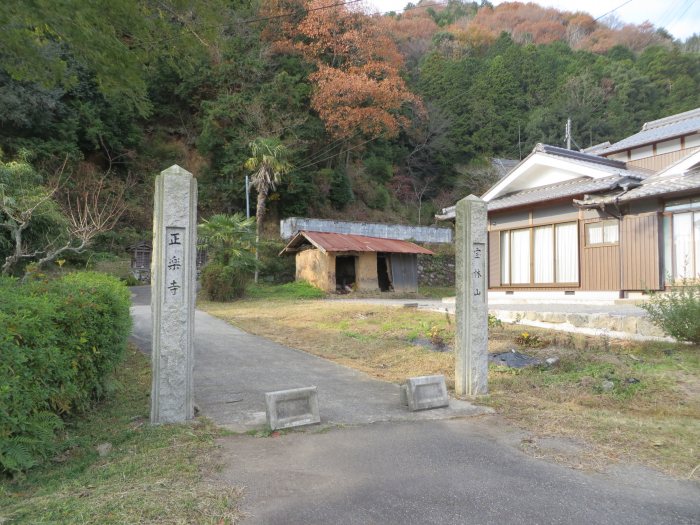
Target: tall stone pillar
173,290
471,341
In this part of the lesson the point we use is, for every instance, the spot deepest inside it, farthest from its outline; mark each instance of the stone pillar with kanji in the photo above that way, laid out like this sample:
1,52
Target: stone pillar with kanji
471,341
173,290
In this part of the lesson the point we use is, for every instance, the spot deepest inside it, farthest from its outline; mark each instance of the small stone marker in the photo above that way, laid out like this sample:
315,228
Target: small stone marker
173,290
471,339
292,408
426,392
403,394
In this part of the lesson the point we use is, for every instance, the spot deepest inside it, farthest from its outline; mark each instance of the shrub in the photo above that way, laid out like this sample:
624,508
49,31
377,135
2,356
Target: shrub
677,312
341,190
379,199
59,342
95,324
494,322
274,268
530,340
224,283
230,244
378,169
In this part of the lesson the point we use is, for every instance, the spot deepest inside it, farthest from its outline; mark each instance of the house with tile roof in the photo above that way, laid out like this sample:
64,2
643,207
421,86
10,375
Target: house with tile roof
612,221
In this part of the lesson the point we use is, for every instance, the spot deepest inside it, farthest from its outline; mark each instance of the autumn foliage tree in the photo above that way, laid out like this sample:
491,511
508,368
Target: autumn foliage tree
358,88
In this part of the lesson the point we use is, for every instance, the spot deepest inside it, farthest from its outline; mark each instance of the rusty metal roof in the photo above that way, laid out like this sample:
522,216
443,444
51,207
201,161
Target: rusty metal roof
345,242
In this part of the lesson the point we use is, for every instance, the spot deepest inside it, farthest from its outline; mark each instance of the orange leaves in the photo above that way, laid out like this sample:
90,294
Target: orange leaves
358,86
355,100
530,23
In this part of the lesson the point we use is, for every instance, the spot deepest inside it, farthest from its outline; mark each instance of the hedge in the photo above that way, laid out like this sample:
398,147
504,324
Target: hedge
59,342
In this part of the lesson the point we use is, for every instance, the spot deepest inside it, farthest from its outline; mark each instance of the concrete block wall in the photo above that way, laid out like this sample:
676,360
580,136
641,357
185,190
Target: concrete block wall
422,234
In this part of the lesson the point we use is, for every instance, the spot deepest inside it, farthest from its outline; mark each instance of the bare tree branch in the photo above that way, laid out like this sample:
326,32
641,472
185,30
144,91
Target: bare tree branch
91,206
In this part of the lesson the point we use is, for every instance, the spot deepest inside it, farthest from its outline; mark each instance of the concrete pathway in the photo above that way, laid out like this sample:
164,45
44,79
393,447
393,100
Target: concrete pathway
234,369
453,472
405,470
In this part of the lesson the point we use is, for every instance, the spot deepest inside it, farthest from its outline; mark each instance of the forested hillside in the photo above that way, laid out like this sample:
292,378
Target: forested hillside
381,117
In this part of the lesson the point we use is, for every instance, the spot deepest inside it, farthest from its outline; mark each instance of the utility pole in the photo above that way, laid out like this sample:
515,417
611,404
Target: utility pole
568,133
247,198
520,150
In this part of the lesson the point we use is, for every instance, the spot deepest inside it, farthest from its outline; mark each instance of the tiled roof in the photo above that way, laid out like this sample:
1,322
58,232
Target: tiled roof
596,147
579,156
569,188
656,185
658,130
345,242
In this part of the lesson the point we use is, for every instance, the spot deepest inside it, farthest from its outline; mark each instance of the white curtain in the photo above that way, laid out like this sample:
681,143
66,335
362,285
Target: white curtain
505,257
683,242
544,255
595,233
567,253
612,231
696,275
520,257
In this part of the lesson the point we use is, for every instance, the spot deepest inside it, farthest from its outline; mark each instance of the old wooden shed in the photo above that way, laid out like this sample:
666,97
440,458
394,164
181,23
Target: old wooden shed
344,262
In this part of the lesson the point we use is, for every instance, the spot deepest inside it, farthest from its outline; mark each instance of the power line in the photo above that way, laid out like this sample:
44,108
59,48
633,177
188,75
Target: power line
341,152
252,20
670,13
613,10
283,15
682,14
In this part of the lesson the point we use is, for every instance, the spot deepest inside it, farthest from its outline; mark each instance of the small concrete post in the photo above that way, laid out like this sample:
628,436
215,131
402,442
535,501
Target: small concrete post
173,290
471,341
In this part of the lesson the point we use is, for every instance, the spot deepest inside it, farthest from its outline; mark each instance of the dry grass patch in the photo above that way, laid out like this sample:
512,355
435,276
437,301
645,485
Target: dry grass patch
650,415
373,339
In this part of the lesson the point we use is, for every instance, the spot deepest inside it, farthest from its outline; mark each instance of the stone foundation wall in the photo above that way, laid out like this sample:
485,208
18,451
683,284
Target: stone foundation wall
436,270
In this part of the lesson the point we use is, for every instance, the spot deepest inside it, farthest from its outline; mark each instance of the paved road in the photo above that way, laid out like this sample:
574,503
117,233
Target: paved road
438,472
443,471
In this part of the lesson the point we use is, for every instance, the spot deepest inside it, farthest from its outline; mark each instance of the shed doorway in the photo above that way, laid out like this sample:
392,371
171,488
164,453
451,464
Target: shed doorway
345,273
384,272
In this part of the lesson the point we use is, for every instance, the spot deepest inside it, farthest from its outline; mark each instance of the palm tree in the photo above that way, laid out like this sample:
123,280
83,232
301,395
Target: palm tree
228,240
269,161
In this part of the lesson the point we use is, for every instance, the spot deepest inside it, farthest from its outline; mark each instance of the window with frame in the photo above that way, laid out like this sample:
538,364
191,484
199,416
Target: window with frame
540,255
682,239
602,232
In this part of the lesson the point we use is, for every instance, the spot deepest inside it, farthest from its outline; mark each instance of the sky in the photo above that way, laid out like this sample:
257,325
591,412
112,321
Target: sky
681,18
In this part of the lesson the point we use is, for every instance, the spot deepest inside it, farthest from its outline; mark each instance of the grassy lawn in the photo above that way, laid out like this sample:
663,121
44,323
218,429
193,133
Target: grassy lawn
151,475
650,415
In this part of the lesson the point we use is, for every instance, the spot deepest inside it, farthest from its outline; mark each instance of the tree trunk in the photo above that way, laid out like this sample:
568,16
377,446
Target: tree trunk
259,217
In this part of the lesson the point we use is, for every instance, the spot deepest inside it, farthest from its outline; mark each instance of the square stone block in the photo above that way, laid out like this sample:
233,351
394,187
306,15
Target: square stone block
404,395
427,392
292,408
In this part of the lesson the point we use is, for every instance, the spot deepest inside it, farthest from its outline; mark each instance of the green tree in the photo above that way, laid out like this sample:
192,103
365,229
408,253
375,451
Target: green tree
497,108
228,240
269,162
230,245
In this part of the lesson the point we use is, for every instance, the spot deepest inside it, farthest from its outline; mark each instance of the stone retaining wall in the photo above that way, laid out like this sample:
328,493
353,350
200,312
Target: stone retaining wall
436,270
614,325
